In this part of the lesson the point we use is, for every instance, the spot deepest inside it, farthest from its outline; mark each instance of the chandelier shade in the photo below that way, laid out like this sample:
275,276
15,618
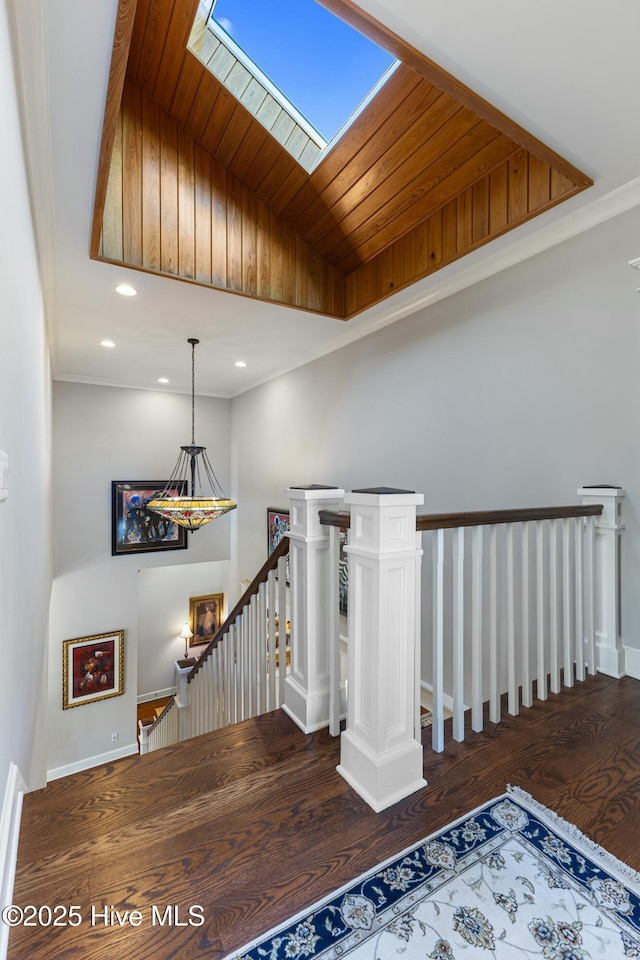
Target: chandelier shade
207,500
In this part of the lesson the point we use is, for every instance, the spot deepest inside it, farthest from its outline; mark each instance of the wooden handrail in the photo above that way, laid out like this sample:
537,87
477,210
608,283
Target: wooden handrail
151,726
442,521
270,563
332,518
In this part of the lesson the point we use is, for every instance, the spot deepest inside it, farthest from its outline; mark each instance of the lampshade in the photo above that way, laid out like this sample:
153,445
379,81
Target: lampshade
186,636
204,504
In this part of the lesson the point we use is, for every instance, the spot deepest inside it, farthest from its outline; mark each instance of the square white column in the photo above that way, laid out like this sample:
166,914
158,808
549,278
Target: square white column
380,756
306,695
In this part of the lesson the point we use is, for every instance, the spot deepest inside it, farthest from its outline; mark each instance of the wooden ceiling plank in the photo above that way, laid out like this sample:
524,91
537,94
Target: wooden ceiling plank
141,14
153,43
213,133
364,22
444,147
480,206
169,193
539,183
175,50
237,129
186,205
499,199
284,179
381,229
132,173
202,106
186,89
414,115
560,185
262,163
150,184
124,27
204,273
252,145
518,186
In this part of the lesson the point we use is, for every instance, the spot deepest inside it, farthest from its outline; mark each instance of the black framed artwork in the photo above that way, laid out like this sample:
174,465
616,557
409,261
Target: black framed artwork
136,529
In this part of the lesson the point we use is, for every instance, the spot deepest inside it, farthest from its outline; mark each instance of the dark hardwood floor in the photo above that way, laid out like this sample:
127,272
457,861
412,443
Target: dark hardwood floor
253,822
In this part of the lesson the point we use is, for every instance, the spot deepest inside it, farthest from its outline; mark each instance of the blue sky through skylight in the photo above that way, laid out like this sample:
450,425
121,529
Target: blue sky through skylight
324,67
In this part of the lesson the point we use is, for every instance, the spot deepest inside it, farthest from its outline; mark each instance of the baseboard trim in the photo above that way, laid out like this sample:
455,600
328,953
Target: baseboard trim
9,835
632,662
90,762
157,695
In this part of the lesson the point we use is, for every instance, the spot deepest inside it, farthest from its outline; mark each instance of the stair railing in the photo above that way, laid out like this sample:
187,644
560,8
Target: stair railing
242,671
522,602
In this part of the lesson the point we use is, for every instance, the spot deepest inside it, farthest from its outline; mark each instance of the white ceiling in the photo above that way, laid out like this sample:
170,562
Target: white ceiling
566,70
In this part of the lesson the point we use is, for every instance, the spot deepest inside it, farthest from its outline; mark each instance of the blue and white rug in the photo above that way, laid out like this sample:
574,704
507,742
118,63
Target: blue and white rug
509,880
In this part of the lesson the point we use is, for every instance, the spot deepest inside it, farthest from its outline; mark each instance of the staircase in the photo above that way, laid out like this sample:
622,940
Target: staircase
241,673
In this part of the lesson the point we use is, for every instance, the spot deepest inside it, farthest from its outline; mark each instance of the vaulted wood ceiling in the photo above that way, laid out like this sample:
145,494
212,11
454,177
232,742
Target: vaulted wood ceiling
192,185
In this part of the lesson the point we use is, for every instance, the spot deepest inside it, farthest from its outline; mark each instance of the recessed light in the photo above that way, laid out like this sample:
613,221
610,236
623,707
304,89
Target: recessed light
162,380
126,290
107,343
240,363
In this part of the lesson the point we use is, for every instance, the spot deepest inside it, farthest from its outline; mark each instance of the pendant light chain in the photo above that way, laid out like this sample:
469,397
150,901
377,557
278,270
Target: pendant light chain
193,392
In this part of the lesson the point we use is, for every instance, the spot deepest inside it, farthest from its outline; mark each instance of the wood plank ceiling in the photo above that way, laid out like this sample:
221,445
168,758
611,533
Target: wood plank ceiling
191,185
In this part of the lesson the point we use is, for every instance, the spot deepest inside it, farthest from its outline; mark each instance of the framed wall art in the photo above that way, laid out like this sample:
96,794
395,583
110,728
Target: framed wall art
92,668
205,617
135,529
277,526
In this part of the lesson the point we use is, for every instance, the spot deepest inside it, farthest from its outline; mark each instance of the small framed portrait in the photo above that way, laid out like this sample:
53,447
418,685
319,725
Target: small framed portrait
277,526
205,617
92,668
135,529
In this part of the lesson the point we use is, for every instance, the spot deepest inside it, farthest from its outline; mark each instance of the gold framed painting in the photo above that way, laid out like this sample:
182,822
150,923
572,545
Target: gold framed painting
205,617
92,668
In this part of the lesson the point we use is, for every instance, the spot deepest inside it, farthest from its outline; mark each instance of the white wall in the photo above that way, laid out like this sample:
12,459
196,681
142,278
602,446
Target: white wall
25,534
163,610
103,434
512,393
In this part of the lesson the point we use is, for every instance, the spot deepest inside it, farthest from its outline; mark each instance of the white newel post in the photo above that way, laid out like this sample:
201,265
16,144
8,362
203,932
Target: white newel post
182,700
380,756
307,689
610,656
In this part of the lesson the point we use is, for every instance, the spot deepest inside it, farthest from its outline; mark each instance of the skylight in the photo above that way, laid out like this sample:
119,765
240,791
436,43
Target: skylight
324,67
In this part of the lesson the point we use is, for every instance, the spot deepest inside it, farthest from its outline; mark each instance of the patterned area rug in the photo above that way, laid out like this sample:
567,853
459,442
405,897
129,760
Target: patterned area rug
509,880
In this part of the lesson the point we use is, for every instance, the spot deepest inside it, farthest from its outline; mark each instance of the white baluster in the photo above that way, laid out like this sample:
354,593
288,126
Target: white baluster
458,637
233,658
282,627
566,602
590,594
540,591
437,726
512,686
494,690
262,648
271,633
554,668
333,629
253,655
579,595
527,693
476,631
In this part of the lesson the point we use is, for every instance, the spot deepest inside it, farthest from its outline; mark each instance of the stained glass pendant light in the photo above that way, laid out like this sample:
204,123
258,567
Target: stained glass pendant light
204,504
